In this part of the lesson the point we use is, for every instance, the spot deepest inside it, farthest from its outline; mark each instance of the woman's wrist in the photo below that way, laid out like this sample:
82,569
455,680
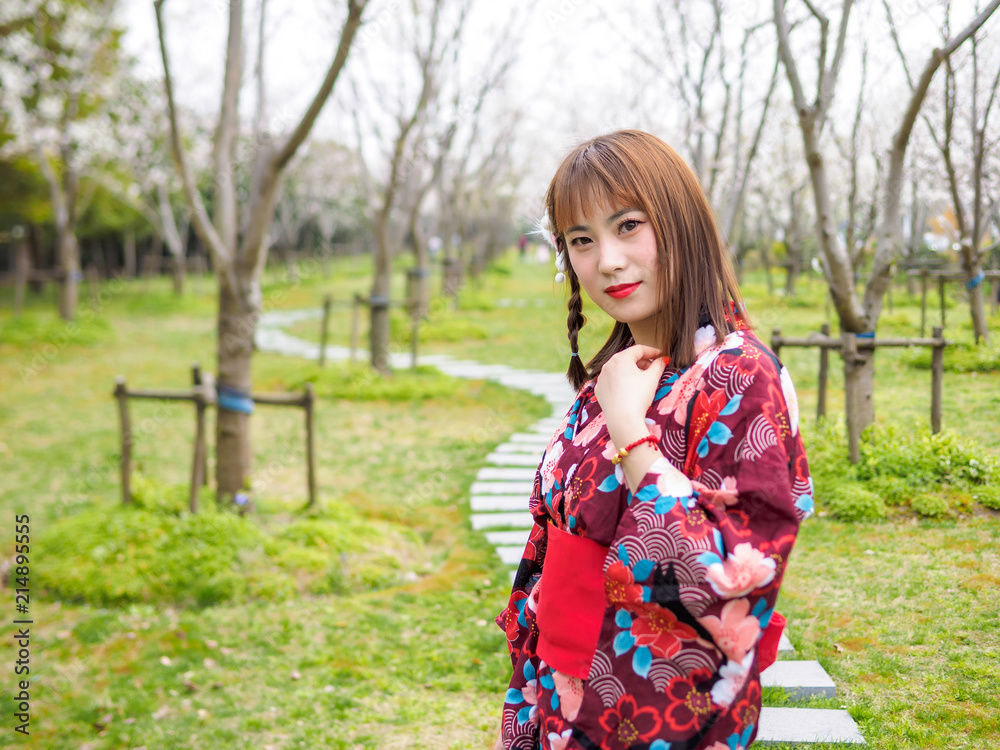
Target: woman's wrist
622,435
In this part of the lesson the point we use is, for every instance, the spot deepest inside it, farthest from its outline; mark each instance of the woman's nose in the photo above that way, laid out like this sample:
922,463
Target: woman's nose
612,257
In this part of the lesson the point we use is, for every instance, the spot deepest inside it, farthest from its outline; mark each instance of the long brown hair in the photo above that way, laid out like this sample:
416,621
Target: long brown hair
633,168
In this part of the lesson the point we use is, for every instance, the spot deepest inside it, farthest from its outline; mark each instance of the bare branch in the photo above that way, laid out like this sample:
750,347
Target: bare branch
788,59
889,231
744,174
221,256
354,10
224,168
829,83
260,121
895,40
271,163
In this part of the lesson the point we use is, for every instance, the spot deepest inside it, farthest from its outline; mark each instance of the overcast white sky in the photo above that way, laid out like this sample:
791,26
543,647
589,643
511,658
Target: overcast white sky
575,76
564,56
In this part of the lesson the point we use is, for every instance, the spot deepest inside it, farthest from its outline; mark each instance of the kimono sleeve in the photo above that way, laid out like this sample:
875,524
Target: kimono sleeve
699,554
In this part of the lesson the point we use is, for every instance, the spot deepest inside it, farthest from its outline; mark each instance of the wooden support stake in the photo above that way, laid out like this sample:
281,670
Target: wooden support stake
941,296
923,301
824,370
126,461
327,304
198,462
198,380
776,342
309,399
937,379
852,402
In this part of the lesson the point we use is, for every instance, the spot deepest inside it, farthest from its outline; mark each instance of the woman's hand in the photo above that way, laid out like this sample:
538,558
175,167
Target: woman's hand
625,391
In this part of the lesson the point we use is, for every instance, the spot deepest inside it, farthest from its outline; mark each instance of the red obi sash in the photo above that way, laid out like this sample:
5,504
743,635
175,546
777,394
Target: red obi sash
767,648
571,603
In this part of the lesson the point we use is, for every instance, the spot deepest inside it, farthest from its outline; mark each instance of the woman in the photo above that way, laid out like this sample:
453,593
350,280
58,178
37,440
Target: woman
668,501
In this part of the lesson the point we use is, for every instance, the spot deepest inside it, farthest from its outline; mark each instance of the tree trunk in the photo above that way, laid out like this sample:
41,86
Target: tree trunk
973,268
39,259
236,328
765,256
379,308
69,267
179,263
865,375
419,288
794,266
130,254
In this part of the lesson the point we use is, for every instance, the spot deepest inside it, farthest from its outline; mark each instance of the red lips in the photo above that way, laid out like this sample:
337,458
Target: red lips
620,291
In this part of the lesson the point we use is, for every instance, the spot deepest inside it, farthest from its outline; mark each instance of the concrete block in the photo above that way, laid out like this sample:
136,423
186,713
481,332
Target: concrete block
521,520
800,679
807,725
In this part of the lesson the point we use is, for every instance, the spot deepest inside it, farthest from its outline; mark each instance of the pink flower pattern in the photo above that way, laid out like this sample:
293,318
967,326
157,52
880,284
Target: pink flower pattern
735,632
744,570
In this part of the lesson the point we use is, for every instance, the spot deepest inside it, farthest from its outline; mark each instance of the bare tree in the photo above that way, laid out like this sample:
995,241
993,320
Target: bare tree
239,256
889,235
969,213
855,316
434,36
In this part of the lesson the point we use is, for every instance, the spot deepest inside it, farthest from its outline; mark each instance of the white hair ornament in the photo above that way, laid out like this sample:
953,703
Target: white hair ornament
544,229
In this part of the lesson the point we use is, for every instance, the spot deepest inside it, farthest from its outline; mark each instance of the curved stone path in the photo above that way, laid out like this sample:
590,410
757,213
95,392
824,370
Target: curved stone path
498,499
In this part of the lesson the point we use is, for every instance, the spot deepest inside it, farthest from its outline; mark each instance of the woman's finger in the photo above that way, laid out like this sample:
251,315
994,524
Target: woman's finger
637,352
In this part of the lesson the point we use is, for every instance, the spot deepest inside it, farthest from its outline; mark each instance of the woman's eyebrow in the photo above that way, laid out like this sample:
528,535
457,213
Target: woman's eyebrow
617,214
610,220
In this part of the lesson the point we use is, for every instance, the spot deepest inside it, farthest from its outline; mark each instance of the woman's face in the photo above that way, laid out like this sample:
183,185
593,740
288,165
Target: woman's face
613,252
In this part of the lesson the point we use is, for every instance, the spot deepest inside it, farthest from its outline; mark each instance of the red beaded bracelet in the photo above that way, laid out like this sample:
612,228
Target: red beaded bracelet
617,458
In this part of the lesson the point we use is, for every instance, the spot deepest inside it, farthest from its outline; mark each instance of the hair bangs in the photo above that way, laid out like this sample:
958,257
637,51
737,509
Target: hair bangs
592,180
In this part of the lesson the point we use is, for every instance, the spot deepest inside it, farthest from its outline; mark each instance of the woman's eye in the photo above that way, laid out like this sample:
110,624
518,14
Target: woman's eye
628,225
577,241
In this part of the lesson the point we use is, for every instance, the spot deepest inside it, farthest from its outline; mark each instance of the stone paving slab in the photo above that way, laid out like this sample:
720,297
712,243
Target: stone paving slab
533,447
520,520
784,645
531,438
511,555
506,474
498,502
508,538
503,488
546,428
809,725
514,459
800,679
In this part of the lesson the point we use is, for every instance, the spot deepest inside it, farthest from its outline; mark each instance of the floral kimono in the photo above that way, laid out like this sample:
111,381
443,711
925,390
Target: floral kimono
636,618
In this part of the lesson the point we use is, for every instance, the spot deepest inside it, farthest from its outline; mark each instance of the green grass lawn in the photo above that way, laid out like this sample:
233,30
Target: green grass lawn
370,626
